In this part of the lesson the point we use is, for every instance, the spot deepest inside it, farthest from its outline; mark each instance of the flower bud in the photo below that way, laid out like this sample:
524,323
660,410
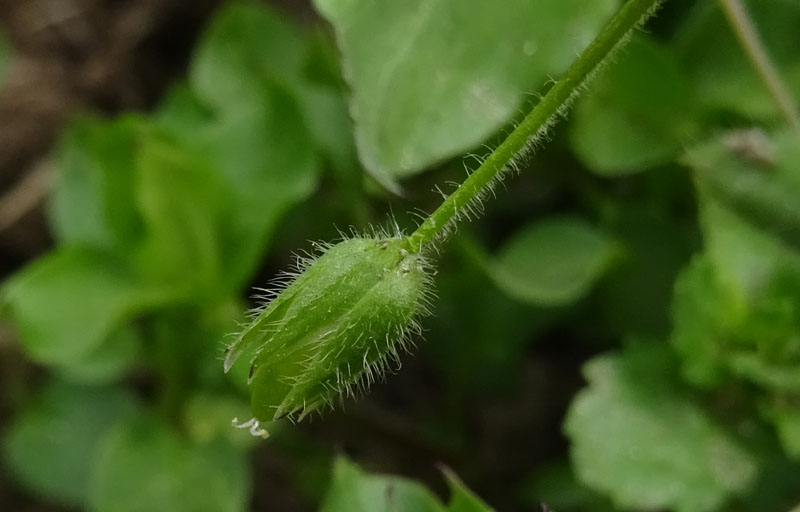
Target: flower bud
335,327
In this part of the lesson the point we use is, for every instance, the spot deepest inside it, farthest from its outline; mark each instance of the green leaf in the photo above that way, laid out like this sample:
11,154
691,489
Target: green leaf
353,490
755,175
636,115
132,187
753,263
782,376
266,156
702,314
638,436
462,499
67,303
265,159
145,466
431,79
115,356
245,46
244,115
737,307
183,113
327,119
248,70
762,276
184,205
93,199
553,262
51,446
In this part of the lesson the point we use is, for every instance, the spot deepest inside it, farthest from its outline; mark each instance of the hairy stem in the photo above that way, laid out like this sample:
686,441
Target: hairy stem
555,102
748,37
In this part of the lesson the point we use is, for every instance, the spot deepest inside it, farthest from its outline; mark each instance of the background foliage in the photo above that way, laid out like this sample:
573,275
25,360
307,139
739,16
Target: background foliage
653,242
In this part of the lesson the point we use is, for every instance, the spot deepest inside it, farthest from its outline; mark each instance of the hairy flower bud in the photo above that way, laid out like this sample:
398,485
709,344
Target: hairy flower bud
335,327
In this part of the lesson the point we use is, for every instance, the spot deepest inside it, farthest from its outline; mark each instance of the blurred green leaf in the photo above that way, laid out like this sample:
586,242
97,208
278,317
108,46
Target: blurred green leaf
325,106
246,46
637,435
50,447
461,498
67,303
145,466
756,175
248,69
750,261
93,200
353,490
762,276
267,157
723,78
736,307
430,80
328,121
184,205
701,315
182,113
196,192
636,114
767,372
115,356
553,261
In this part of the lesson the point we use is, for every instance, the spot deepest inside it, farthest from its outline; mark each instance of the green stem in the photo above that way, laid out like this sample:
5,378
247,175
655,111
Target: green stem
555,102
748,37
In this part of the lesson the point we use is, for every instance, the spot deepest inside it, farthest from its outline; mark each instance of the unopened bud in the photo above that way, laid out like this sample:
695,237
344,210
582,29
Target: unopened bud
335,327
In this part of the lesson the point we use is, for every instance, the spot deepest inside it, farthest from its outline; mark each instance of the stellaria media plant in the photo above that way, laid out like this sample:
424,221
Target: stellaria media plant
343,316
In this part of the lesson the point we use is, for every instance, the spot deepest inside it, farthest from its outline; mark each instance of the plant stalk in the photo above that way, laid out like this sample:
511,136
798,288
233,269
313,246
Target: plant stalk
757,53
555,102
